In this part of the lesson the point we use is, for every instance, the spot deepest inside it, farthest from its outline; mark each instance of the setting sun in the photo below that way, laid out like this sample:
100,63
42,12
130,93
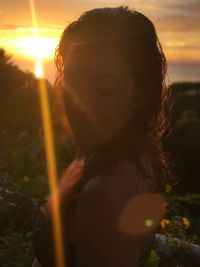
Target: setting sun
29,43
38,47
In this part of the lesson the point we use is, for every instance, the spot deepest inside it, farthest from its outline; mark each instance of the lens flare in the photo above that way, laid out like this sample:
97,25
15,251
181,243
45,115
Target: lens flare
52,174
142,214
148,222
49,149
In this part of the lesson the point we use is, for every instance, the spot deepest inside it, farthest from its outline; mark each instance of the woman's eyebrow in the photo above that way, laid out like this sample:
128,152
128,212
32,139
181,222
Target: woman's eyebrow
112,76
105,76
89,72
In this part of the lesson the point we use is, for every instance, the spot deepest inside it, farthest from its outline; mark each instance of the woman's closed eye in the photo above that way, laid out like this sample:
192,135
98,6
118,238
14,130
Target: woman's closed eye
103,88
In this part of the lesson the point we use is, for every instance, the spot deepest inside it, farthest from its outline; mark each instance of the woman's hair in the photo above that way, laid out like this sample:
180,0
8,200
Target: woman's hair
135,37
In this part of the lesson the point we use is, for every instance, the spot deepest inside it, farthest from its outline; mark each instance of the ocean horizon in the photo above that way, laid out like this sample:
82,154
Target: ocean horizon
176,72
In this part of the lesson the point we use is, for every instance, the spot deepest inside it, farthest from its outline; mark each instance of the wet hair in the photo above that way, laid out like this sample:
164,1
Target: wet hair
135,36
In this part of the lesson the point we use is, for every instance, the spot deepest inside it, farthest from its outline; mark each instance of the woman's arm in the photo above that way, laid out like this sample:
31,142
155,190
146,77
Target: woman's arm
36,263
69,178
43,242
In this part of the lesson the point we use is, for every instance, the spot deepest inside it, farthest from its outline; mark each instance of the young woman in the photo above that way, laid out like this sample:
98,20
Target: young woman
111,69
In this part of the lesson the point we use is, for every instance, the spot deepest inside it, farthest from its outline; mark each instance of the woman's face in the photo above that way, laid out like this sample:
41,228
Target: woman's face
99,93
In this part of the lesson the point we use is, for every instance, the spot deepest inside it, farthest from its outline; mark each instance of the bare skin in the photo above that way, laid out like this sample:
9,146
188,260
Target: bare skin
69,178
99,239
99,94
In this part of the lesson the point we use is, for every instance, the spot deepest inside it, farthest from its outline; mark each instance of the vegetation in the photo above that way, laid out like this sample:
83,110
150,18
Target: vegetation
23,178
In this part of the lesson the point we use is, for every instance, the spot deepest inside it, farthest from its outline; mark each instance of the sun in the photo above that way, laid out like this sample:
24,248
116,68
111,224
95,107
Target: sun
29,43
37,47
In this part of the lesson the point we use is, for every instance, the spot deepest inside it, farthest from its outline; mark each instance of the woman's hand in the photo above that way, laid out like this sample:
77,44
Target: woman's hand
69,178
36,263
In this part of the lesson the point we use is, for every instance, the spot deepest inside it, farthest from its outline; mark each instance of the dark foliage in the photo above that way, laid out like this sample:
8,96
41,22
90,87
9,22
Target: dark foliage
183,144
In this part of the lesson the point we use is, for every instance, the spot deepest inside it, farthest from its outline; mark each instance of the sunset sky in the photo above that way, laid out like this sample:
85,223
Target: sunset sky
177,23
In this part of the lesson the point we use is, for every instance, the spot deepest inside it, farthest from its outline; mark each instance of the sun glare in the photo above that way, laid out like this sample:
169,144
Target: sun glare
37,47
38,68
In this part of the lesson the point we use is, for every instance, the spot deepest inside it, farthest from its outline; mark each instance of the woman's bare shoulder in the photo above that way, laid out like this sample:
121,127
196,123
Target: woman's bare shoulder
125,178
100,207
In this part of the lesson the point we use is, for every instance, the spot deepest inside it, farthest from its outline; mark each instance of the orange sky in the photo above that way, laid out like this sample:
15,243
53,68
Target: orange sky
177,23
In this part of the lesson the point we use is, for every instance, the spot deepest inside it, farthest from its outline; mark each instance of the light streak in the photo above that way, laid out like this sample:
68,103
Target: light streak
49,150
52,174
38,68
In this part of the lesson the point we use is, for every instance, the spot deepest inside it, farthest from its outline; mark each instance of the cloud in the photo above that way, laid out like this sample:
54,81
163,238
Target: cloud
8,27
178,16
178,23
189,7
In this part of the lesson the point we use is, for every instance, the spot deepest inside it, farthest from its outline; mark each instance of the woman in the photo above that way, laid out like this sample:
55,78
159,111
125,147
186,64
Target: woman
112,70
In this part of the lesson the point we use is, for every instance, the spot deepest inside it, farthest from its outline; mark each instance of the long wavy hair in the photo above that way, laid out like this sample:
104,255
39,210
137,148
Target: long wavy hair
135,35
